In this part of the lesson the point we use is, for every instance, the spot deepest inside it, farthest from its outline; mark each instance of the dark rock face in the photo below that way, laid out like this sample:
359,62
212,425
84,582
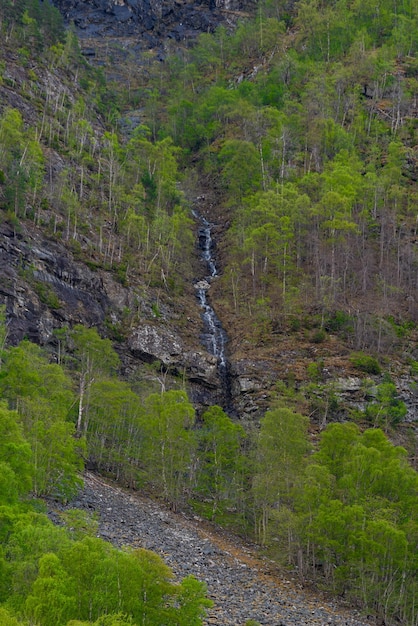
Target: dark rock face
43,287
155,20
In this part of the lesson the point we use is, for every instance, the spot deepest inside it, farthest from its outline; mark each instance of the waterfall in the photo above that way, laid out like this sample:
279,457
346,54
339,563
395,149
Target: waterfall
214,337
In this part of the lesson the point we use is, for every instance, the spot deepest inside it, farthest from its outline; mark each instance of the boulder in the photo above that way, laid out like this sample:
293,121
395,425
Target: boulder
155,343
351,384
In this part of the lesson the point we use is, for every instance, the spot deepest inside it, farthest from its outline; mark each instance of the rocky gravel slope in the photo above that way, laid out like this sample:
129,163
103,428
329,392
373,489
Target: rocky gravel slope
242,586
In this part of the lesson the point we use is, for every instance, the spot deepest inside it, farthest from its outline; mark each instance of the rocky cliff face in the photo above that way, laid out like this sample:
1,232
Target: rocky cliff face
43,287
150,22
48,283
46,287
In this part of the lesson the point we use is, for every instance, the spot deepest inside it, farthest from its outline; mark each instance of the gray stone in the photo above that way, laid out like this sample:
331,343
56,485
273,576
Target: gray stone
153,20
156,343
239,593
350,384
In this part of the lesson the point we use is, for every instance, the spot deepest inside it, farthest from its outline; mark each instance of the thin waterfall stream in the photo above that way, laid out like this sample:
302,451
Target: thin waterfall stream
214,337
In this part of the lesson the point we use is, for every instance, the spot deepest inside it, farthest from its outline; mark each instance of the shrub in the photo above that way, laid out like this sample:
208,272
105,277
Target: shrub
319,336
365,363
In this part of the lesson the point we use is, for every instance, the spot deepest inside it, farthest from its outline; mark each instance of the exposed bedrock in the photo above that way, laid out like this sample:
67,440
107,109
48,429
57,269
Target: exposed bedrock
153,20
45,287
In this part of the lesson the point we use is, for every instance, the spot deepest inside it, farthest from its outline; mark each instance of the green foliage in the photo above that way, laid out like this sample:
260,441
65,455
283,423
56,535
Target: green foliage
387,410
106,620
134,584
15,457
339,322
7,619
21,161
169,443
114,432
321,118
190,603
364,512
280,452
311,152
96,360
344,514
220,472
318,336
47,295
55,580
365,363
326,122
240,167
42,394
52,577
52,599
314,371
95,355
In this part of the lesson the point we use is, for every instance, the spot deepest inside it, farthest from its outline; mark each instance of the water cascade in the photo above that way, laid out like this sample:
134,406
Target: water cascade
214,336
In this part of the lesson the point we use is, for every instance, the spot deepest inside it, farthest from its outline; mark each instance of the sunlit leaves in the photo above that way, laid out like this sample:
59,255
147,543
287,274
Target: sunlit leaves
54,580
221,460
114,430
21,161
169,442
281,448
52,599
240,167
15,457
42,394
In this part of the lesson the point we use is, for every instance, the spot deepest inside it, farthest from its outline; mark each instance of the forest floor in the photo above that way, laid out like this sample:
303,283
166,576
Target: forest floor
242,584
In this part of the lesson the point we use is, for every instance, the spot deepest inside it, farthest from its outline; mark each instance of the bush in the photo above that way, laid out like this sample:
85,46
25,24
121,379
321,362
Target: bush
319,336
365,363
339,321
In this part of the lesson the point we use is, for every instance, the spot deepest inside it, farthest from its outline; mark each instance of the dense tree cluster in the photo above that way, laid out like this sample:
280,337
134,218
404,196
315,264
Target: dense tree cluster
304,122
124,192
303,119
341,512
52,576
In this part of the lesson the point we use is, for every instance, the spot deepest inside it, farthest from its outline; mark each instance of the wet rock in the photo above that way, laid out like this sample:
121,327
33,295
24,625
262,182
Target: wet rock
202,284
202,367
158,343
43,287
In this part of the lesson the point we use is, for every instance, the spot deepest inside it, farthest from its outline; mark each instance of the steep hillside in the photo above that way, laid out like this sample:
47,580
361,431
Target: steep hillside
209,287
150,24
307,174
303,142
73,251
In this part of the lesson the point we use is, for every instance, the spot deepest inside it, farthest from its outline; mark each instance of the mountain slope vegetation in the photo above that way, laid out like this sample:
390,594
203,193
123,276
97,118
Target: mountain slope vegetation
298,132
